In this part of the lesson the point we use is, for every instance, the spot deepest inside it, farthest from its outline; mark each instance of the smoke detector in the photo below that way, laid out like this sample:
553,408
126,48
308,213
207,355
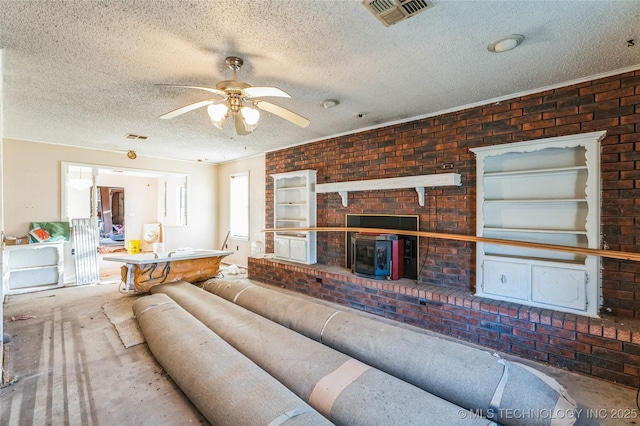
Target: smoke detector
390,12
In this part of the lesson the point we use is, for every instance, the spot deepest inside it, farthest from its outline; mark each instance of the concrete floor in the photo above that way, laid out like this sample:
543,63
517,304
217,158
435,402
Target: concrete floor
72,368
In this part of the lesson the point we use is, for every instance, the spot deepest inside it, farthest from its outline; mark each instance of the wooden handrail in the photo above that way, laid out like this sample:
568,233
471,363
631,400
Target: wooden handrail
612,254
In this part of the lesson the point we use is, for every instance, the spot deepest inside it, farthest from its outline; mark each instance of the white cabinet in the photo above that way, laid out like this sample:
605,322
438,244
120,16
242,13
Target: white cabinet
543,191
295,207
32,267
559,286
502,278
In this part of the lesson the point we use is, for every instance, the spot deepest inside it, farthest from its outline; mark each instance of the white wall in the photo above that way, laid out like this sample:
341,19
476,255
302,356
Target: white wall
256,167
32,190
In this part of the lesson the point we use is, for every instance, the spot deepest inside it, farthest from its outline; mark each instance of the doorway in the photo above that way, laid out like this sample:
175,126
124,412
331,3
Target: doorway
110,210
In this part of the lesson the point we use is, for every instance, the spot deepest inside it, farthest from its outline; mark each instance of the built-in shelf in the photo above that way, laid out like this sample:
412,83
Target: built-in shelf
542,191
416,182
541,231
292,188
295,207
547,171
31,267
537,201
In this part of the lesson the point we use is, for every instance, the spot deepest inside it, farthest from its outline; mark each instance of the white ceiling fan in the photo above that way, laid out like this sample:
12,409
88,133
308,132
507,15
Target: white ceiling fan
239,100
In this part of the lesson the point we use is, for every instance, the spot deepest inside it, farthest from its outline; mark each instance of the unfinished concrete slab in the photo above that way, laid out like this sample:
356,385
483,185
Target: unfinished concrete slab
72,368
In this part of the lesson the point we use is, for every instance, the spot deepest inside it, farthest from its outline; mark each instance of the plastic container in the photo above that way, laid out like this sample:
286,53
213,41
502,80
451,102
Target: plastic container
133,246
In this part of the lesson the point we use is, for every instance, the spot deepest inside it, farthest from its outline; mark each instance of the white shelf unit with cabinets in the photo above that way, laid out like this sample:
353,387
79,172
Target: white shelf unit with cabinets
542,191
295,207
32,267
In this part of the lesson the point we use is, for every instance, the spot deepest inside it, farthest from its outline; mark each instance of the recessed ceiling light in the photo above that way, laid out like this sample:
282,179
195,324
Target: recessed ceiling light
506,43
330,103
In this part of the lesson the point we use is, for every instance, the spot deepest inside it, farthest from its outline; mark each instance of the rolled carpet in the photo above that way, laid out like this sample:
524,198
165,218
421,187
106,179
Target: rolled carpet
344,390
225,386
466,376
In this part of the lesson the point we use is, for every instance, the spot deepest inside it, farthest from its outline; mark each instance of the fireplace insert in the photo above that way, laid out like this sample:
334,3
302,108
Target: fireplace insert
396,222
372,256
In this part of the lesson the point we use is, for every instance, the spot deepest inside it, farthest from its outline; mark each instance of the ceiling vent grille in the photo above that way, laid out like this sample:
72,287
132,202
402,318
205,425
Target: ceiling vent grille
390,12
132,136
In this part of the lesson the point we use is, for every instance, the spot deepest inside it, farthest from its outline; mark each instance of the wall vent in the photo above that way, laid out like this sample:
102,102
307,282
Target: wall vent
390,12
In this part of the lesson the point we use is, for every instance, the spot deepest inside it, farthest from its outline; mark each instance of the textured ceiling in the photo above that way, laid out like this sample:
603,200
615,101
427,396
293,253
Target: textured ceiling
85,72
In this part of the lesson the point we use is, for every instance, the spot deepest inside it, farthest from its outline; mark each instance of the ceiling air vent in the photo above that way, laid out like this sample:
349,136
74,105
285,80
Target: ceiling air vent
391,12
132,136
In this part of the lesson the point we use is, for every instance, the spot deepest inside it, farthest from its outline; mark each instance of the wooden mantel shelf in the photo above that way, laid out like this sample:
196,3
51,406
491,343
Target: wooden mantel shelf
417,182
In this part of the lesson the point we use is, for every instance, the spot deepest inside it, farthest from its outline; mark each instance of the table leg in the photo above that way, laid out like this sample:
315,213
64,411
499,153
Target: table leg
129,276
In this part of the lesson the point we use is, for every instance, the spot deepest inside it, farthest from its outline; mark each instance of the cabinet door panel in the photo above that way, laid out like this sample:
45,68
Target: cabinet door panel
281,247
509,279
298,250
559,286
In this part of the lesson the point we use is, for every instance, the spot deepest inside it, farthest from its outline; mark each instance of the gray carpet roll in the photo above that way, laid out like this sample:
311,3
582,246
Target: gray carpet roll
466,376
346,391
225,386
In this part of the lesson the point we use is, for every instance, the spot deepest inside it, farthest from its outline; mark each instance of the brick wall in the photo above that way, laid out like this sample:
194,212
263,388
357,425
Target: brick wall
423,146
604,348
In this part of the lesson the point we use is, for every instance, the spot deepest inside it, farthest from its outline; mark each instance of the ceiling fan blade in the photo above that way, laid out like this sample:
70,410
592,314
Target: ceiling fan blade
282,112
240,128
190,107
261,92
208,89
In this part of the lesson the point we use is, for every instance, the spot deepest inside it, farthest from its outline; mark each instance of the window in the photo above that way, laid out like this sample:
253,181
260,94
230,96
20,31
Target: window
239,206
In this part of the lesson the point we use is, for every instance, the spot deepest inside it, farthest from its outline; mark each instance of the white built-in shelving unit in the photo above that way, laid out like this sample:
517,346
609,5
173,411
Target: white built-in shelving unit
543,191
32,267
295,207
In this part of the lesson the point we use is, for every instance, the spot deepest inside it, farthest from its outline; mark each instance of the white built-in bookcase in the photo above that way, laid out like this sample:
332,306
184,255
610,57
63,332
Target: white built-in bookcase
294,199
542,191
32,267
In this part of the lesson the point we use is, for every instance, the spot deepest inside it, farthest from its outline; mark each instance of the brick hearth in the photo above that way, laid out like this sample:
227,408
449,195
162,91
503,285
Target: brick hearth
607,347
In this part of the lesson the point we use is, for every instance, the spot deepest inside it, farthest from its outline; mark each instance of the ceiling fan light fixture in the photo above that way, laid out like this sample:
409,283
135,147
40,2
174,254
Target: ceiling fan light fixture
250,116
232,95
218,114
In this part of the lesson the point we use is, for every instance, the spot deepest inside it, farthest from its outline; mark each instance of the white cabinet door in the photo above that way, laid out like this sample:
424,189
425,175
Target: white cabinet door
559,286
281,247
298,250
508,279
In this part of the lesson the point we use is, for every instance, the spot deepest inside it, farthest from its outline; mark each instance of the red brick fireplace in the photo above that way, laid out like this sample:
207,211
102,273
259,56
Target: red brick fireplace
441,298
